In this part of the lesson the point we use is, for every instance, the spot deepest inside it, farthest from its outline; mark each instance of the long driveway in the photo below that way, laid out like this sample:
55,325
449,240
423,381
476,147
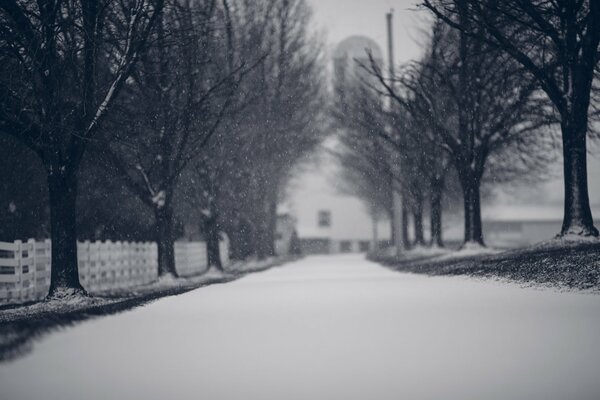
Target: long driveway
330,328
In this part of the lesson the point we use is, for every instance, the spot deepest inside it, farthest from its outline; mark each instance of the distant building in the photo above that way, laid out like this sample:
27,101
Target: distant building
519,233
517,226
328,221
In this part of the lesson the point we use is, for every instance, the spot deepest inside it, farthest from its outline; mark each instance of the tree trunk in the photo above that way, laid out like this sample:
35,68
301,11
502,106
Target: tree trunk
211,231
272,223
472,210
405,236
397,201
64,276
241,239
577,213
392,227
436,215
418,222
261,239
213,238
165,239
392,213
261,220
374,231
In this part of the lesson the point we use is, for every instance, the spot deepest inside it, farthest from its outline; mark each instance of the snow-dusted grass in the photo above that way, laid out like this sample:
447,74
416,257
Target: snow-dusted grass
165,285
565,242
435,253
470,249
414,253
565,263
55,306
327,328
427,251
255,265
75,303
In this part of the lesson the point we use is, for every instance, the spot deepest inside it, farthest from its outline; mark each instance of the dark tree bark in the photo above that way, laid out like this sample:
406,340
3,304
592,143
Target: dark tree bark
62,187
272,223
577,213
472,208
165,238
212,247
418,221
392,227
405,235
267,219
436,213
212,237
241,239
392,210
262,237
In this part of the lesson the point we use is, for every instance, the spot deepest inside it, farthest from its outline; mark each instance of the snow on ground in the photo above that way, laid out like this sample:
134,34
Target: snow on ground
60,305
420,252
252,265
566,241
469,249
434,253
415,252
328,327
70,303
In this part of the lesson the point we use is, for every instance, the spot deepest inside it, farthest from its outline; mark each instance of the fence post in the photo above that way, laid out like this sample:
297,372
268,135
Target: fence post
18,268
83,263
33,264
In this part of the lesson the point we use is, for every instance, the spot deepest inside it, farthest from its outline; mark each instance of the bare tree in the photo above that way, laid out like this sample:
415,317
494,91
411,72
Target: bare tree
22,215
62,66
475,102
557,43
283,119
385,148
176,100
365,162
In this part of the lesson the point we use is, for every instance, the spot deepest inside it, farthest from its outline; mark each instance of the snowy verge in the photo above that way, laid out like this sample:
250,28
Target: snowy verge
567,241
255,265
469,249
434,253
124,298
562,264
414,253
54,306
423,251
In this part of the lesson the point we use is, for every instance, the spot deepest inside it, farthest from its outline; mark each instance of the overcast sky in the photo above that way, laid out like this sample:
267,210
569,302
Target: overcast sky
343,18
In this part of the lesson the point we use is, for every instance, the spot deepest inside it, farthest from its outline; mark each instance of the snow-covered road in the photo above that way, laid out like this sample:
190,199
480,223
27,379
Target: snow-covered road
328,328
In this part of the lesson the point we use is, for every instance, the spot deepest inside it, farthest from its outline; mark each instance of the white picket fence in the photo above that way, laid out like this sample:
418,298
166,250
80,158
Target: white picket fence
191,258
24,270
116,265
25,266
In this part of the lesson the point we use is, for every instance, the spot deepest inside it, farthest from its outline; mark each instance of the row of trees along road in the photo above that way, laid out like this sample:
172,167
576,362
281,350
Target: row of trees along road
163,110
497,80
478,106
556,43
383,149
466,114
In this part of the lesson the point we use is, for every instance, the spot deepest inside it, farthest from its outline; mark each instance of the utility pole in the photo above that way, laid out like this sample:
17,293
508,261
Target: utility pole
397,211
